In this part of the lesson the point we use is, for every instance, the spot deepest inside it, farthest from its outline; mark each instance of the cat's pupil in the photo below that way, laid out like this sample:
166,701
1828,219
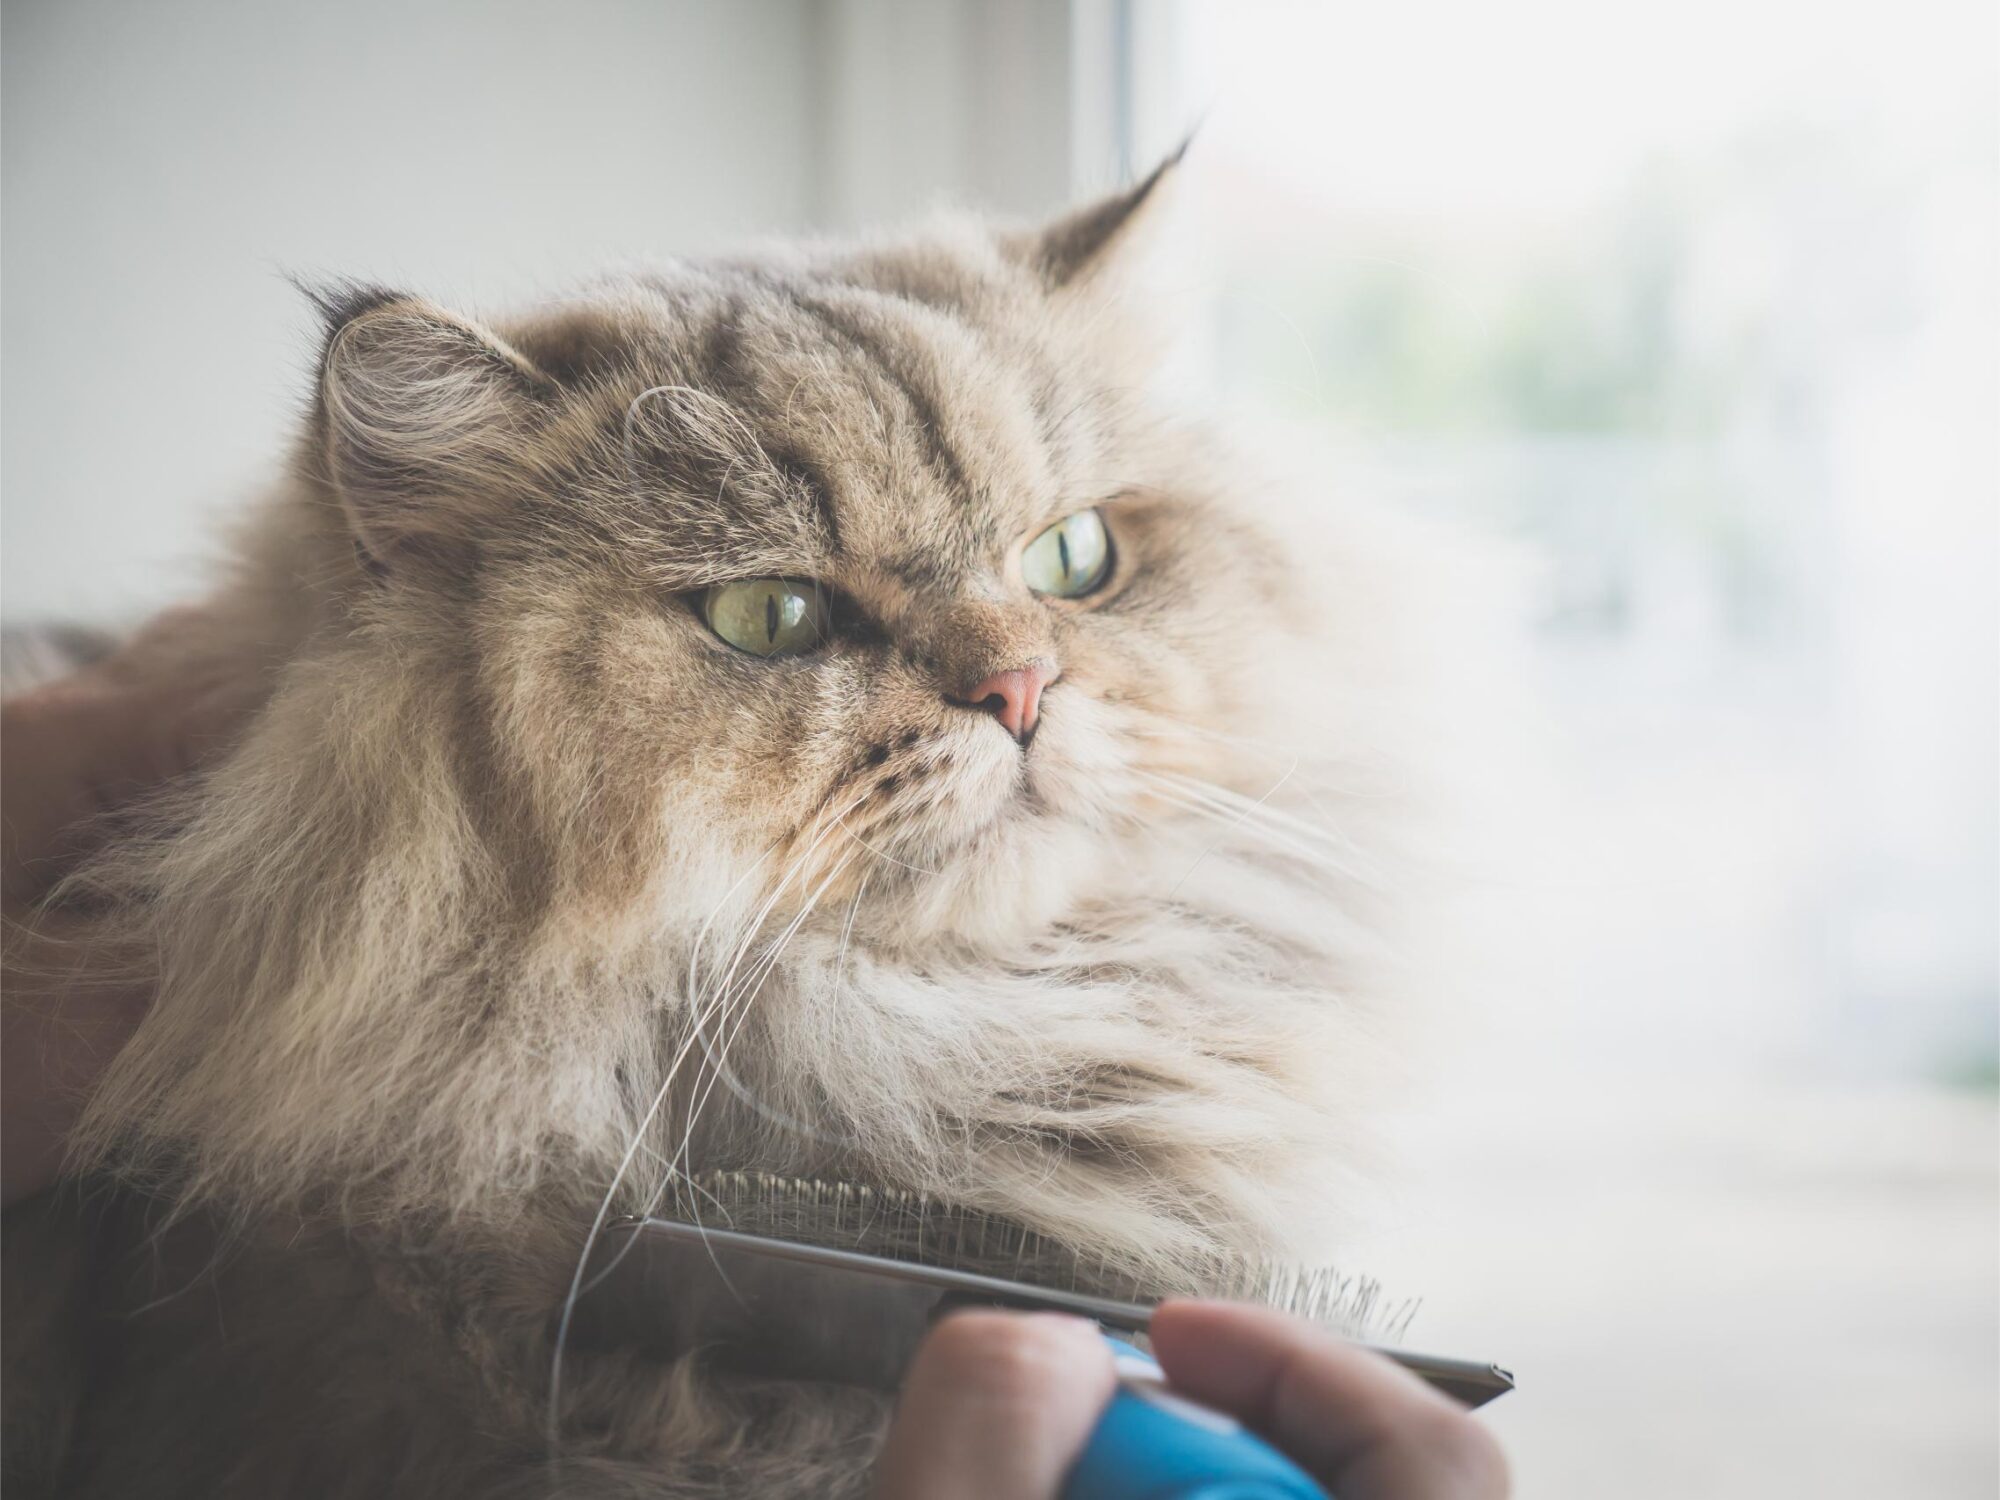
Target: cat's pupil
771,618
1062,550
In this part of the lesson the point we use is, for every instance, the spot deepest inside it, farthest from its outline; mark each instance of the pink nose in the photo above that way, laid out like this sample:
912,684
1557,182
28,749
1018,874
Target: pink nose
1014,697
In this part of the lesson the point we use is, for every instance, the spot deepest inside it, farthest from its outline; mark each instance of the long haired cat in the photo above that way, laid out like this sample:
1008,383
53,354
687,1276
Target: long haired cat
815,712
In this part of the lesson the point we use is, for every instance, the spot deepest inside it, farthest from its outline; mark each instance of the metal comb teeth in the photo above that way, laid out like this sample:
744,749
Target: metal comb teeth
897,1224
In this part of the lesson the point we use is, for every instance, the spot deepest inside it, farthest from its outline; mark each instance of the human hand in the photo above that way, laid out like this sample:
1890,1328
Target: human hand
997,1406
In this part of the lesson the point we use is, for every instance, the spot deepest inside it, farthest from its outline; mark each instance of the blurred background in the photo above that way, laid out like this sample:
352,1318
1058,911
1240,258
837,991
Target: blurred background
1695,303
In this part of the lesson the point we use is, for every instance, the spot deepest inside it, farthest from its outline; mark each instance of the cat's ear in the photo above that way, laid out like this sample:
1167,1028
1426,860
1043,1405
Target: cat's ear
426,419
1100,240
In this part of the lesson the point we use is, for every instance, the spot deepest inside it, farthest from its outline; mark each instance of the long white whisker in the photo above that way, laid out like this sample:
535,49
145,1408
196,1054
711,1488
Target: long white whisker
617,1177
638,1136
1345,853
1319,767
716,1003
1186,874
779,1117
753,986
1274,815
890,858
753,982
1235,820
717,1000
1279,828
756,923
719,1005
847,933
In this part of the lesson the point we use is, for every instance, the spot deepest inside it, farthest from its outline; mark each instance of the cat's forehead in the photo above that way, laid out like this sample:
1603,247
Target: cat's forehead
916,437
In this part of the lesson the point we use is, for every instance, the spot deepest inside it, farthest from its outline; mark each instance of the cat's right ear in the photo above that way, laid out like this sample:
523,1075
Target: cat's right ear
1109,268
1102,240
427,422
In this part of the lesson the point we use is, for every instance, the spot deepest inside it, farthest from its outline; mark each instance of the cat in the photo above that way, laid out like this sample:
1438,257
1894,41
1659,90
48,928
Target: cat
821,711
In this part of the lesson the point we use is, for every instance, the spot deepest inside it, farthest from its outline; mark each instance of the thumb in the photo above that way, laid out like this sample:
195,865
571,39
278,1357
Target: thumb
996,1406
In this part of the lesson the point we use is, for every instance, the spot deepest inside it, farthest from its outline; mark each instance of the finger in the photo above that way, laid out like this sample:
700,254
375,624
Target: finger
996,1406
1362,1424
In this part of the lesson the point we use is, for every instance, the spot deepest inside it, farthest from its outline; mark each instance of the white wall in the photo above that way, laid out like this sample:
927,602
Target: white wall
167,163
930,100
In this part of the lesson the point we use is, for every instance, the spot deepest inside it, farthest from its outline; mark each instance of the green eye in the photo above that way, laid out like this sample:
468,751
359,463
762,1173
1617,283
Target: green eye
1070,558
767,616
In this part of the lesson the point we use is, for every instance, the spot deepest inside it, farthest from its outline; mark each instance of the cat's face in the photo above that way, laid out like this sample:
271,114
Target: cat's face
796,575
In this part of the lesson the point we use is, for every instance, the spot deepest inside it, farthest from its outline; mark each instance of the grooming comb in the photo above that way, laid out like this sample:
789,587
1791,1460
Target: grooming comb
799,1279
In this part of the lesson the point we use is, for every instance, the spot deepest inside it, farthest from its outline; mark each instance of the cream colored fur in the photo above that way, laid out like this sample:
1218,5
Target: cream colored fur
450,944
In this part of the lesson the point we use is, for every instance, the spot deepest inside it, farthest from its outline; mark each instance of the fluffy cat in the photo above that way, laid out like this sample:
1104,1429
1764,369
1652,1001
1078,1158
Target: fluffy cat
816,712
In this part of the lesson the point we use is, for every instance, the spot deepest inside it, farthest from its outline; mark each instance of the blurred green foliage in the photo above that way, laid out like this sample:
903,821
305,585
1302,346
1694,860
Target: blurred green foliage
1591,336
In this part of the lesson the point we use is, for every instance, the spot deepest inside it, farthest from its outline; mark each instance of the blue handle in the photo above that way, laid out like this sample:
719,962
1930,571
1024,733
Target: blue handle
1151,1444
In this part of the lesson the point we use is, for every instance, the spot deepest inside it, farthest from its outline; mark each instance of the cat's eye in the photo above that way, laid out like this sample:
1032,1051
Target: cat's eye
768,616
1069,559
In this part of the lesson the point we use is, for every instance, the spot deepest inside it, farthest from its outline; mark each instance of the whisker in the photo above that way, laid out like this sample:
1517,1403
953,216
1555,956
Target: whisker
678,1165
753,987
1279,827
1186,874
1237,819
645,1124
718,1000
779,1117
880,854
759,971
1322,769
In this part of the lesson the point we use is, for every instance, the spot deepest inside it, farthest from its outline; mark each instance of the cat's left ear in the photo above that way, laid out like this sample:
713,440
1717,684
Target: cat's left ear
1102,242
429,423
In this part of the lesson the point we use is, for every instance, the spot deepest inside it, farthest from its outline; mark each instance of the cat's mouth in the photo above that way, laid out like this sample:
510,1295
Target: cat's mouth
926,798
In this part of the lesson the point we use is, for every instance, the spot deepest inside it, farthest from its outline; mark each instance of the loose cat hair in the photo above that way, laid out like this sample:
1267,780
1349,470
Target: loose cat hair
525,895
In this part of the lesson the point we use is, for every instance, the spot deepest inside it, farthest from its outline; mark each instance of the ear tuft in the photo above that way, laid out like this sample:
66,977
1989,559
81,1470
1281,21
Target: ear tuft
1078,245
426,418
339,300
